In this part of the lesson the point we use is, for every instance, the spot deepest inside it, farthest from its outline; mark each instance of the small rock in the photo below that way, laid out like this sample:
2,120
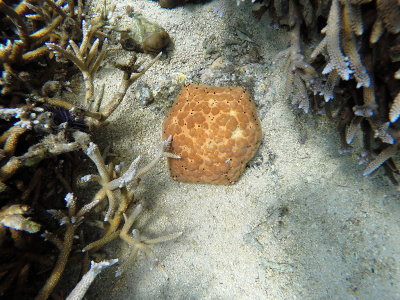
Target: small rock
143,94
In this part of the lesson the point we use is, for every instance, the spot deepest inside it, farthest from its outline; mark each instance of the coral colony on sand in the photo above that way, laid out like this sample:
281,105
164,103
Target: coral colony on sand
356,63
354,69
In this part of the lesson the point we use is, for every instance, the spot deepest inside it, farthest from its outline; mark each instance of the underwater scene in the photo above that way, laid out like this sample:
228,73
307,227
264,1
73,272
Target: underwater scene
188,149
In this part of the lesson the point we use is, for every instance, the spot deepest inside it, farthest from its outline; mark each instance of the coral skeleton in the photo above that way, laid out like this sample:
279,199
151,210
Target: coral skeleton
71,221
131,72
352,129
395,109
141,245
30,45
127,183
87,59
95,269
383,156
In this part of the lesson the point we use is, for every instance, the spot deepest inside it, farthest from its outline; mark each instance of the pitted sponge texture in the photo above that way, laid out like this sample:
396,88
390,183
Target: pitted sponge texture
215,131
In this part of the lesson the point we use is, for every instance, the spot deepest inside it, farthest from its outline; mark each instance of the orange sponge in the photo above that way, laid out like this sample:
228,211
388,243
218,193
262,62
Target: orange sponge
215,131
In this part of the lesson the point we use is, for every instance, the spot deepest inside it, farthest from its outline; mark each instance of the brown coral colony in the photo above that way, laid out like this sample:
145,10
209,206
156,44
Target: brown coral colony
215,130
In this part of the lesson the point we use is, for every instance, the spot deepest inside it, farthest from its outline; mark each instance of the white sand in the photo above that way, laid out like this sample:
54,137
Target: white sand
301,222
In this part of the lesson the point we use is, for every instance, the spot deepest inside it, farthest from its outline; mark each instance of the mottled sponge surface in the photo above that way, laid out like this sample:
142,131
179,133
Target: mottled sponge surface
215,131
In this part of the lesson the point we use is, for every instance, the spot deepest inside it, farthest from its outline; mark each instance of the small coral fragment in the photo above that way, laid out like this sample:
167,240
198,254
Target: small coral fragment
215,131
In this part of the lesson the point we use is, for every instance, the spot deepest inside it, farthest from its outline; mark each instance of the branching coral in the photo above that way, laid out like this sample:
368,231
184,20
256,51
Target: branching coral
337,60
394,113
350,29
383,156
30,45
300,73
71,220
30,118
138,244
131,72
95,268
126,183
34,140
87,59
353,24
388,17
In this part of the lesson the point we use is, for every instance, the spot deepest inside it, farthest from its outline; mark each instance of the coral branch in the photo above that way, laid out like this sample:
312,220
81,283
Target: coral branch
131,74
87,60
12,216
95,268
380,159
129,179
350,49
332,42
138,244
300,73
66,246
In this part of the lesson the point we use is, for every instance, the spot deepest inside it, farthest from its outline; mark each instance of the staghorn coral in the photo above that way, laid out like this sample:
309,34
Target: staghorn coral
29,46
215,131
372,103
72,219
138,244
300,73
349,45
395,108
43,133
337,61
353,17
131,72
86,59
126,183
388,17
75,217
383,156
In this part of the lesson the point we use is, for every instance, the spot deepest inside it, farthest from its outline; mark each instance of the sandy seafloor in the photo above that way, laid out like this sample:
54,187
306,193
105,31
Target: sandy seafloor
301,222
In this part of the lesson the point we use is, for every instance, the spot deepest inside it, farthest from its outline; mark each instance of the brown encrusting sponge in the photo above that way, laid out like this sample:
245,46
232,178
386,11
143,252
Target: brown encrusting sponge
215,131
